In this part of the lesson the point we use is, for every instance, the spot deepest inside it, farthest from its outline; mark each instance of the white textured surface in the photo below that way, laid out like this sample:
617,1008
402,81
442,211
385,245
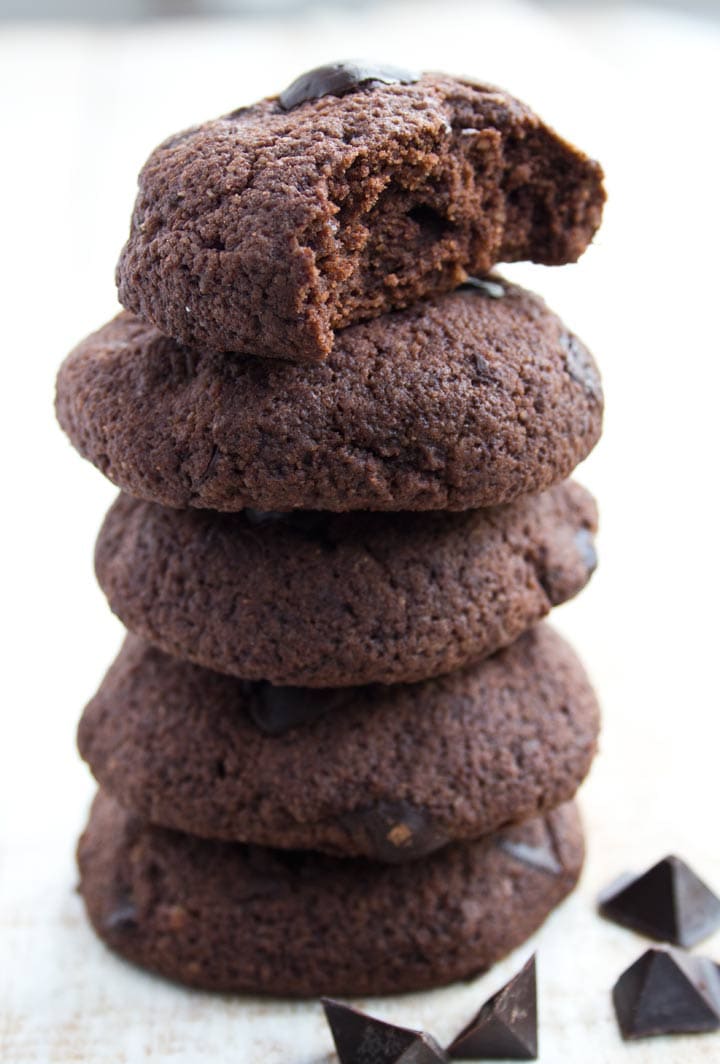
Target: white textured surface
81,110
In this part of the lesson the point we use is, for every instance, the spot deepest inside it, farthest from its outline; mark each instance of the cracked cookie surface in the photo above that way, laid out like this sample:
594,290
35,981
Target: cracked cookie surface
320,600
389,773
223,916
266,230
462,401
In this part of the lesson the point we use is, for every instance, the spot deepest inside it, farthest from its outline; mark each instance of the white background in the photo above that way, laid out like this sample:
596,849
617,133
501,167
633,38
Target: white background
81,110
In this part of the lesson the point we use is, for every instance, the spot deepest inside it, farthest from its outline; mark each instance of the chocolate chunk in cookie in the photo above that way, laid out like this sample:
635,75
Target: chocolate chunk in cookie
338,79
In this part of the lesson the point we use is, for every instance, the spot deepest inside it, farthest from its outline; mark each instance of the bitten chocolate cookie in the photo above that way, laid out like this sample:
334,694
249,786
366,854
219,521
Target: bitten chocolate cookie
320,599
354,192
390,773
227,917
467,400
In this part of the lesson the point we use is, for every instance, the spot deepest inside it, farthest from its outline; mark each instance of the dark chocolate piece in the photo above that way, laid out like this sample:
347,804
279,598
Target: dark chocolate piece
493,289
667,992
506,1026
276,710
542,857
580,365
361,1039
398,831
668,902
264,517
309,521
585,543
123,917
338,79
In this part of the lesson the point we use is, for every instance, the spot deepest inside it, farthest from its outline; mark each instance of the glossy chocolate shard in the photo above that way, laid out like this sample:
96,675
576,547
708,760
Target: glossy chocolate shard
505,1028
667,992
362,1039
486,286
541,856
123,917
585,543
579,364
669,903
338,79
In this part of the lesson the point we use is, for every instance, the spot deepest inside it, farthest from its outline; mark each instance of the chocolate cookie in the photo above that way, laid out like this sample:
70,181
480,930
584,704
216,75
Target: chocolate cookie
320,599
355,192
223,916
467,400
389,773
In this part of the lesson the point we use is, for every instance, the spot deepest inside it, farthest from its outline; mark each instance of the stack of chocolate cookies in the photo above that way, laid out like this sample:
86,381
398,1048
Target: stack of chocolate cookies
338,750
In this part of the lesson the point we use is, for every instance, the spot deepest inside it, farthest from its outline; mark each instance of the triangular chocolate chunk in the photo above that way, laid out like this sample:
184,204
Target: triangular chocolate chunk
505,1028
668,902
361,1039
667,992
540,857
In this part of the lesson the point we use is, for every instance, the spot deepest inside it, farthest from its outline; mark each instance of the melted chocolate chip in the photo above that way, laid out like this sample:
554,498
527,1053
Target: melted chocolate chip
276,710
264,517
398,831
338,79
308,521
580,366
492,289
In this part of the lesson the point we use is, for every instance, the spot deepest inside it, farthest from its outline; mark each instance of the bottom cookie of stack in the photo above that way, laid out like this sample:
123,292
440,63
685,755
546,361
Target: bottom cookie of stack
237,918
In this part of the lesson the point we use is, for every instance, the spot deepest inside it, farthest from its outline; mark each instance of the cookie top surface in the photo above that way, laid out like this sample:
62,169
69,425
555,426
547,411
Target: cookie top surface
389,773
263,596
356,191
228,917
462,401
